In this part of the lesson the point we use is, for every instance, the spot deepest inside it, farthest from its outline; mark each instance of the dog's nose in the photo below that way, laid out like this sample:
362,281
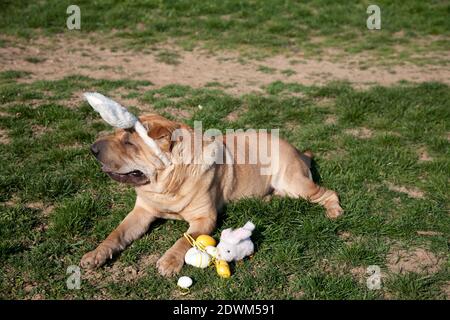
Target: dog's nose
95,149
98,146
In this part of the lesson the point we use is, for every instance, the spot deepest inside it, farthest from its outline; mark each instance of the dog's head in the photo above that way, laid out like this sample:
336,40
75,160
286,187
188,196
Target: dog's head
126,158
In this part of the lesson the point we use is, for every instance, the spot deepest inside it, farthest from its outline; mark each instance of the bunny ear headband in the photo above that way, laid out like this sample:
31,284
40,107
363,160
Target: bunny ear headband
119,117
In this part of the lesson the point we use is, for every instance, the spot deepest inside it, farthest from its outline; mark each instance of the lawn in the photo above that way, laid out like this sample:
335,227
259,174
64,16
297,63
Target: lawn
57,204
384,149
411,30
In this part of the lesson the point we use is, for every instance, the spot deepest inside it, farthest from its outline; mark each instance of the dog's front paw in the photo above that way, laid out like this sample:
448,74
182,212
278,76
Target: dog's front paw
170,264
334,212
96,258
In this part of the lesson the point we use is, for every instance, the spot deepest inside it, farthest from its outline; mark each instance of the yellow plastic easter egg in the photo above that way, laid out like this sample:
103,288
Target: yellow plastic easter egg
223,269
205,240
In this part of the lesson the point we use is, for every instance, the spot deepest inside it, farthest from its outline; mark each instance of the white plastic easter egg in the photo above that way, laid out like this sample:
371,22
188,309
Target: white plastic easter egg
184,282
197,258
212,251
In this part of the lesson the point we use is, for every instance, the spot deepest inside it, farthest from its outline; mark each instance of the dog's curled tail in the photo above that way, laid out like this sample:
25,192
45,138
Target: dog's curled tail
307,157
308,153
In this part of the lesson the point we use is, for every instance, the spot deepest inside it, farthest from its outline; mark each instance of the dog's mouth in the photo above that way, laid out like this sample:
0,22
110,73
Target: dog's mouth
135,177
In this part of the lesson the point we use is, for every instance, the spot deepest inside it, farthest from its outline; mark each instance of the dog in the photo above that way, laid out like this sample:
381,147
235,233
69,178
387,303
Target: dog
194,191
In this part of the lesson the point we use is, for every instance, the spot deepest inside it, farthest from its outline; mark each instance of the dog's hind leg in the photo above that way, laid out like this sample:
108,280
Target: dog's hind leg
135,224
296,182
327,198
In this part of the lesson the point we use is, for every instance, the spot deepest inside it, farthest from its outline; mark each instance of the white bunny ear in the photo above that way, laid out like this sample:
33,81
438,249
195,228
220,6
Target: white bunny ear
111,111
117,116
225,233
242,234
230,236
235,237
250,226
151,143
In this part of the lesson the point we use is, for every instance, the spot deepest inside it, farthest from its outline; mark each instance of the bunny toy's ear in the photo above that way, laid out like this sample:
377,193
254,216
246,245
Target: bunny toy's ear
231,236
242,234
225,234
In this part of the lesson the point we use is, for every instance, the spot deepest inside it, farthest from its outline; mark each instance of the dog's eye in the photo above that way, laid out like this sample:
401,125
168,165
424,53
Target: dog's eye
127,141
126,138
228,251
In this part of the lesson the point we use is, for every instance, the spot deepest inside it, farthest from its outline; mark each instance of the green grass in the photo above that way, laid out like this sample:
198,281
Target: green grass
265,69
168,57
35,59
288,72
411,30
300,253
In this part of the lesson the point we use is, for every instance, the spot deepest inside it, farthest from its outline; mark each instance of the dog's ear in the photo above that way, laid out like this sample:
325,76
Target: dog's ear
162,130
162,136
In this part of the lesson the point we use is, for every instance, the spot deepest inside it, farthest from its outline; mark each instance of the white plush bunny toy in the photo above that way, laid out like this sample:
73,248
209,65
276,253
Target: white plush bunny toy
236,244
